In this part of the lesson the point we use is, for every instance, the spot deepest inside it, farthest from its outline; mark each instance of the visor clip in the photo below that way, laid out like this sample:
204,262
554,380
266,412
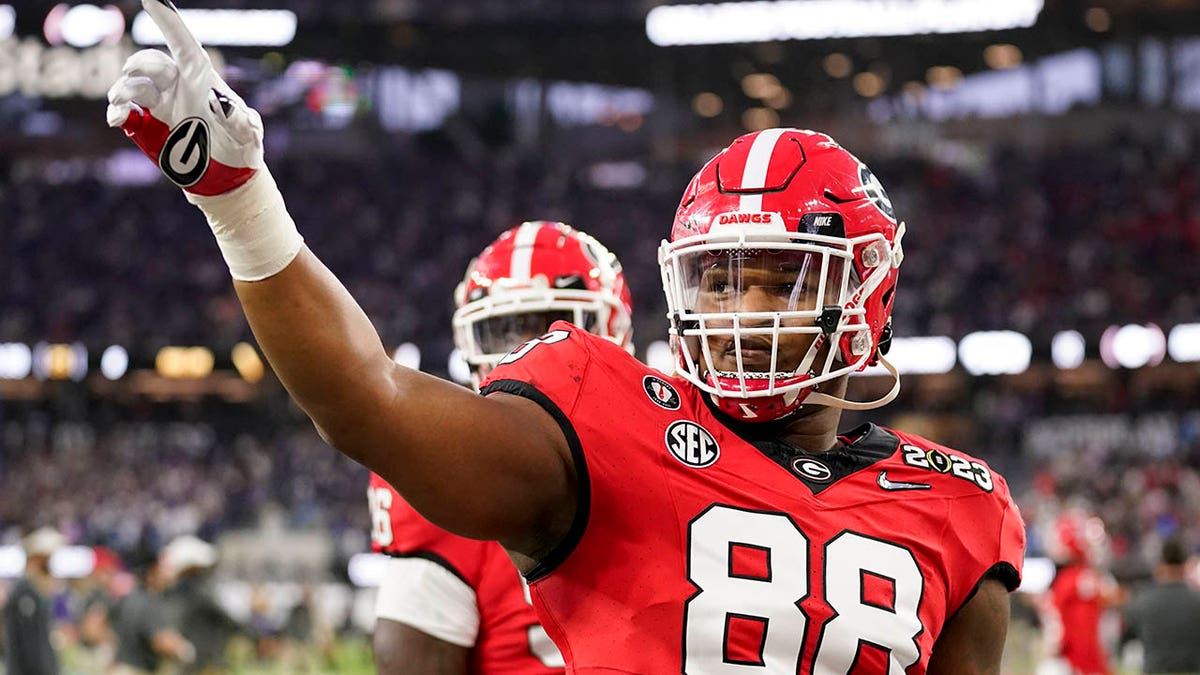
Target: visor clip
830,317
680,324
885,338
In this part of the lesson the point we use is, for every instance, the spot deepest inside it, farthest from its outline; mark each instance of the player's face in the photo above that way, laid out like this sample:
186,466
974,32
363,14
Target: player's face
756,284
504,333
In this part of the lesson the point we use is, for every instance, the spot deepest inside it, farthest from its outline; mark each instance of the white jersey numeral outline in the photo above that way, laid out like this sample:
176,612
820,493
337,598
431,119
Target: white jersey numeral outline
775,598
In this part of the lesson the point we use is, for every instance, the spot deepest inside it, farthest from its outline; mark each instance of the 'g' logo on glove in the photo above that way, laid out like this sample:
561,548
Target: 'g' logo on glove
179,111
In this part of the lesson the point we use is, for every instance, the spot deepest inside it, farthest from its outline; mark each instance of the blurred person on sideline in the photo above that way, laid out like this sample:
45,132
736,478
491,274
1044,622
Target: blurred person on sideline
200,619
1078,597
453,605
710,520
1165,616
101,591
146,636
307,638
28,618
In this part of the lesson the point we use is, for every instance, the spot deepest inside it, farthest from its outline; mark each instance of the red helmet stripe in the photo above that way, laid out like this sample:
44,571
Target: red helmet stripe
522,257
758,164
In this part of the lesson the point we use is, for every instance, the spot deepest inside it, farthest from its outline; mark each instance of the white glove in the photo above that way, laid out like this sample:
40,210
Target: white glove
206,140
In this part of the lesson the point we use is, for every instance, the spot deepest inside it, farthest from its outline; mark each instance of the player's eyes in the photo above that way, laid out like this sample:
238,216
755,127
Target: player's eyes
715,283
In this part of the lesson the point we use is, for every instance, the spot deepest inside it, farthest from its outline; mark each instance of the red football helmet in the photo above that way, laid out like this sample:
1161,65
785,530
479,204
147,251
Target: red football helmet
1077,537
784,233
533,275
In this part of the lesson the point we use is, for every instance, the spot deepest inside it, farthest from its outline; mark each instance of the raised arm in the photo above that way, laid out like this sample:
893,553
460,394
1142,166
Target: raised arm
490,468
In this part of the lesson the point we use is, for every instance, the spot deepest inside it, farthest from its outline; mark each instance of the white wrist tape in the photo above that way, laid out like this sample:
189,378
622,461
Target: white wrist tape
257,236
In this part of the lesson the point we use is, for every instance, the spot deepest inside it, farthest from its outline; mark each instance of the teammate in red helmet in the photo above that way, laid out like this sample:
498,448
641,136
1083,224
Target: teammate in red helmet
453,605
1081,591
714,522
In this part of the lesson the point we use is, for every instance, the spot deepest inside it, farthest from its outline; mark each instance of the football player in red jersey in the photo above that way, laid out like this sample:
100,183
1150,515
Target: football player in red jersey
1079,594
713,522
454,605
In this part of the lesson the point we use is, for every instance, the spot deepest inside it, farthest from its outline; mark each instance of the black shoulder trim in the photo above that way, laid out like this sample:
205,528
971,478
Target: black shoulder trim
1006,574
1003,572
433,558
583,490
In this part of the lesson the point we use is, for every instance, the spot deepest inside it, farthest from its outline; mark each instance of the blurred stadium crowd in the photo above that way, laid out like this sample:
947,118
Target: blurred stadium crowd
400,224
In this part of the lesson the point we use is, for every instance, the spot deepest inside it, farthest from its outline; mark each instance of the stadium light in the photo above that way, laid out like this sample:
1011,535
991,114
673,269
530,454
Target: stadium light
72,562
8,21
114,362
60,361
660,358
1133,346
16,361
12,562
408,355
226,27
1184,343
739,22
1068,349
68,562
84,25
1036,575
184,363
247,362
919,356
999,352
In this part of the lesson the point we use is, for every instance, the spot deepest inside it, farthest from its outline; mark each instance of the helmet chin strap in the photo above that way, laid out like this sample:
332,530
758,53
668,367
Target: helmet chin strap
818,398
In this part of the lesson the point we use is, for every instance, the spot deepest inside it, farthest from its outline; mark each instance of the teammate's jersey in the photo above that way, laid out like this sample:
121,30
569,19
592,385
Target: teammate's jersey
1076,603
508,639
695,551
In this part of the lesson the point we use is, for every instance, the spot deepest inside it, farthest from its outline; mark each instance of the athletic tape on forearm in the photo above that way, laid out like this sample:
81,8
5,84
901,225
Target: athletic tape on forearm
257,236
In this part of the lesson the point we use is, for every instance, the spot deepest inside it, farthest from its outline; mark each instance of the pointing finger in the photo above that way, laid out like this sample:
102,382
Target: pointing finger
184,46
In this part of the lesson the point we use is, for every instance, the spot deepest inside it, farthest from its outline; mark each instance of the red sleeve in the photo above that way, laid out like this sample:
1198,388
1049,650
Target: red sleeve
399,531
987,530
552,365
1012,540
550,371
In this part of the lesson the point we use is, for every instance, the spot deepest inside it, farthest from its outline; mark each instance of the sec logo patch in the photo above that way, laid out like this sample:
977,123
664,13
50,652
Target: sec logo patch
692,444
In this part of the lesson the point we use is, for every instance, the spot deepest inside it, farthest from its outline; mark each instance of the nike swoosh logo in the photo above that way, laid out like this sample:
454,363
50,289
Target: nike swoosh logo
892,485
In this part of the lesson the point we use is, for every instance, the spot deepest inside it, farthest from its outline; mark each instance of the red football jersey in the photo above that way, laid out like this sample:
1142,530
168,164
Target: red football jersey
698,549
1076,603
510,639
